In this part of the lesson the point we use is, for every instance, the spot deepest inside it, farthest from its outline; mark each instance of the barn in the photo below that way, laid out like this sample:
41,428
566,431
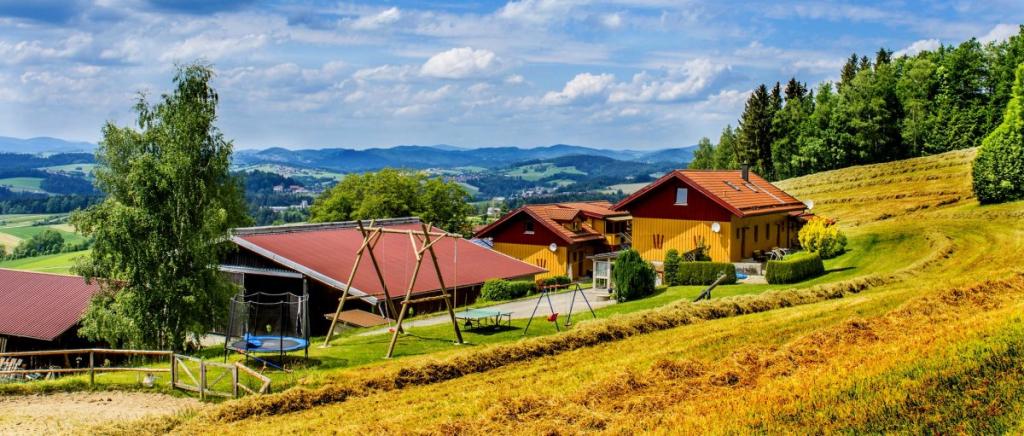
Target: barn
40,311
318,258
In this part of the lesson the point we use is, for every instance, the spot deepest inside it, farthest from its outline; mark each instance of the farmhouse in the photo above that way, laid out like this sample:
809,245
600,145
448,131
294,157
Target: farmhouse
733,213
559,237
317,259
41,311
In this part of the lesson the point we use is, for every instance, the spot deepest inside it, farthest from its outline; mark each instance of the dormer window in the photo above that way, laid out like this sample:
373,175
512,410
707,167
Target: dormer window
681,196
528,227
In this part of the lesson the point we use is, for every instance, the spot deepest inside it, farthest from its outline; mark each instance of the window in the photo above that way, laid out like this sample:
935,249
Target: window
659,241
755,233
543,263
528,227
767,234
681,194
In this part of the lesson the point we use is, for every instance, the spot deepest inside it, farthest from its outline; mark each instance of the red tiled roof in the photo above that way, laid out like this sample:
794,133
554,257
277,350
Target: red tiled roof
327,255
41,306
551,216
727,188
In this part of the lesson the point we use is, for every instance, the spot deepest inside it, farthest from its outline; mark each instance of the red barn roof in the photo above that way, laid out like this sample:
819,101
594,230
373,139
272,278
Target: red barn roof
755,196
41,306
327,252
552,215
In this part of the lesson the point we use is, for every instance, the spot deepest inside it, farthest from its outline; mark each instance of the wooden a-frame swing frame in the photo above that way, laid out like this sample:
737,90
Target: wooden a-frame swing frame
421,244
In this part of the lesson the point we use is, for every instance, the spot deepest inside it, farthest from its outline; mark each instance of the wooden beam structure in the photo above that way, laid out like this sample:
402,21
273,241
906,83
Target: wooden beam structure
422,243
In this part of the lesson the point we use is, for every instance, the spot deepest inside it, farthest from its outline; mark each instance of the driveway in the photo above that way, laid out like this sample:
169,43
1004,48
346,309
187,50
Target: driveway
522,308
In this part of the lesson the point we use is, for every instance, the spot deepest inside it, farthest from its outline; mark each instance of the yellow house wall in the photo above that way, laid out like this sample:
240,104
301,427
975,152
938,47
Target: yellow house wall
774,221
680,234
554,262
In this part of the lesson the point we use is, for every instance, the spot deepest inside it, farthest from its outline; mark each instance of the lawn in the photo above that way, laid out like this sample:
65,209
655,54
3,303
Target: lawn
626,188
84,170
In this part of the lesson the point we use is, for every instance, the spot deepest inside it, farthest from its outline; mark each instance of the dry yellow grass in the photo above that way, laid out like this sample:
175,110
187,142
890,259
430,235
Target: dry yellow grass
870,354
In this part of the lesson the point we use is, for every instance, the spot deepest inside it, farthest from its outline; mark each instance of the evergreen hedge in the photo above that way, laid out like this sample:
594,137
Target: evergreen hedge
704,273
794,269
500,290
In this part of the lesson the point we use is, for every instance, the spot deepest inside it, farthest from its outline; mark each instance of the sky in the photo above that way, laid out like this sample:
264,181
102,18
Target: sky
640,74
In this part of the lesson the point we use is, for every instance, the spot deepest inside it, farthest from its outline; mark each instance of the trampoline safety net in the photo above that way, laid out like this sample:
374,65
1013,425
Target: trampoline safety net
268,323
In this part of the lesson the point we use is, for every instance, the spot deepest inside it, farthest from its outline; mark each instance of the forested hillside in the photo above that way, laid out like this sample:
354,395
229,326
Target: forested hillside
883,108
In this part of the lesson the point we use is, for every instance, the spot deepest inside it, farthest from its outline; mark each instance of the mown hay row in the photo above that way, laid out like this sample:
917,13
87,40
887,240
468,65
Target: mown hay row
669,382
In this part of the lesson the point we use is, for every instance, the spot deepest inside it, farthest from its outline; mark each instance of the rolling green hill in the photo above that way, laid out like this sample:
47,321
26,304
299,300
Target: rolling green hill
915,329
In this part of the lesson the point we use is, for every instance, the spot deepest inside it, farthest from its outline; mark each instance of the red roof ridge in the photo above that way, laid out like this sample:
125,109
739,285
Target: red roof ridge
40,272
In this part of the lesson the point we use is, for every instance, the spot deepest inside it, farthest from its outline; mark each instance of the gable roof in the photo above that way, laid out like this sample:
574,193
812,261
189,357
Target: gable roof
550,216
40,305
326,253
728,189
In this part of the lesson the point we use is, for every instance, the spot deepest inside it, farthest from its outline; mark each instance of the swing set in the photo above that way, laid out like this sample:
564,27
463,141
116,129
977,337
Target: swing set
422,243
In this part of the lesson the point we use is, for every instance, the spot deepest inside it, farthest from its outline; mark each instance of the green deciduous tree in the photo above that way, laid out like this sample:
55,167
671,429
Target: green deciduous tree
725,151
391,193
704,155
999,167
159,233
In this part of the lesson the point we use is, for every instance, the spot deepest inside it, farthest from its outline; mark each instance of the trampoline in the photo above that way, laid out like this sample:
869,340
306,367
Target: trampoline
265,323
269,344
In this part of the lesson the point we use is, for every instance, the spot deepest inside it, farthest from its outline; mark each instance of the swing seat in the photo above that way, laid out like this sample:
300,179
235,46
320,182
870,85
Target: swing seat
553,317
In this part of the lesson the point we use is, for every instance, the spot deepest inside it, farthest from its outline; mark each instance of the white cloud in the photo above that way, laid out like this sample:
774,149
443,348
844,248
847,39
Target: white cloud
388,73
1001,32
212,47
383,18
32,51
537,11
515,79
460,63
612,21
918,47
582,86
686,81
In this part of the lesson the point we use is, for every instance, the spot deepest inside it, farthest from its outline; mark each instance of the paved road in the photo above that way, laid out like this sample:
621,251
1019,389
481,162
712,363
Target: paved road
522,309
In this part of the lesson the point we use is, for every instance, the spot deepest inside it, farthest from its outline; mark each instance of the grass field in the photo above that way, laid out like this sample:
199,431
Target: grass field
626,188
289,171
84,170
535,172
23,184
54,263
916,329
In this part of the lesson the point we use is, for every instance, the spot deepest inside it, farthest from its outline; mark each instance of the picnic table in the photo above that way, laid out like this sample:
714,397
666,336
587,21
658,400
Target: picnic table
482,317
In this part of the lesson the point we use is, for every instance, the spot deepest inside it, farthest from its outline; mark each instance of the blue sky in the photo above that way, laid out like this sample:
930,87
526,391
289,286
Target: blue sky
617,74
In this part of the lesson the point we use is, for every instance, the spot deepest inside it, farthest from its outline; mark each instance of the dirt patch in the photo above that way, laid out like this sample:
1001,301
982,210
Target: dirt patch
9,241
61,413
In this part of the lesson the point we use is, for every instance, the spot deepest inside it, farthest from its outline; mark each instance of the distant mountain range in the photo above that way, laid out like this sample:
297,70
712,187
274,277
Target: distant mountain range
43,145
403,156
445,156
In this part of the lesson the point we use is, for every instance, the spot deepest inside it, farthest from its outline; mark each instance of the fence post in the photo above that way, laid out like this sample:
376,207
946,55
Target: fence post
202,380
174,371
92,368
234,382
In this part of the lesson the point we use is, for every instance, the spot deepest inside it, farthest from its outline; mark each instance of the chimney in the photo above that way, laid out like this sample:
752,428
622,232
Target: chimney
746,172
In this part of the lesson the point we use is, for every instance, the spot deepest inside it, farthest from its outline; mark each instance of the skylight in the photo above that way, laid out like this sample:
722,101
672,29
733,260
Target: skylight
731,185
751,186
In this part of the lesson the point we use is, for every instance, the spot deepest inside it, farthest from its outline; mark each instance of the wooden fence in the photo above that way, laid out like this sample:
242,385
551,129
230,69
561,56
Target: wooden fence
214,378
91,369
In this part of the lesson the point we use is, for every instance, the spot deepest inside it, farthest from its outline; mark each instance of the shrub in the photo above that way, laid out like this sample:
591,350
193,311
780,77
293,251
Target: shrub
821,235
633,276
998,170
795,268
42,243
704,273
499,290
671,266
556,280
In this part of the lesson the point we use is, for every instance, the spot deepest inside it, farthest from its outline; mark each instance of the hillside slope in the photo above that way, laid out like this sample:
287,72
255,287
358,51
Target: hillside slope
928,340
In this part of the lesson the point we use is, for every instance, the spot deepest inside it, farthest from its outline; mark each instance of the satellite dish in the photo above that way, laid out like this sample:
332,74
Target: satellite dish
553,247
715,227
809,204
